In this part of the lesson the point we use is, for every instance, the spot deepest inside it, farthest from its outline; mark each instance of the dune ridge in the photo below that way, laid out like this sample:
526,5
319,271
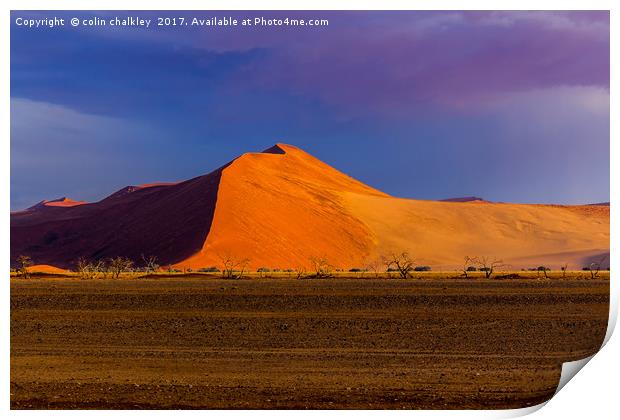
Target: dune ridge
281,207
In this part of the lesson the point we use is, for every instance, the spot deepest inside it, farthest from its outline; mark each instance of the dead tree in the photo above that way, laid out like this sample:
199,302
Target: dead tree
596,266
233,267
103,268
321,266
542,268
402,262
564,268
150,263
489,265
92,269
24,262
468,264
300,272
375,267
118,265
85,268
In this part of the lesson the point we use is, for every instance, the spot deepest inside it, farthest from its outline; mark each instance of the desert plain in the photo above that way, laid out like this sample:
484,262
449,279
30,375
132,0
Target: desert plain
198,341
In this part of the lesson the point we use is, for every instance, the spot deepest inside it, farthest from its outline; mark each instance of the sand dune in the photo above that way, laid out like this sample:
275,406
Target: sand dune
59,202
441,234
46,269
281,207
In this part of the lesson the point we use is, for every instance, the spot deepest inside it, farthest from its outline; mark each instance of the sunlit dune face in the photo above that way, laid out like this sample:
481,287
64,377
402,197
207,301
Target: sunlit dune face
283,207
63,202
47,269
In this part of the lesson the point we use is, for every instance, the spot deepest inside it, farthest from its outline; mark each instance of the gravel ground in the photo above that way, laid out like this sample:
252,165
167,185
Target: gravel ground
280,343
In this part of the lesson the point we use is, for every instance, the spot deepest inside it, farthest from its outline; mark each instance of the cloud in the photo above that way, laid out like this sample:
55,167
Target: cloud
364,64
445,61
57,151
512,105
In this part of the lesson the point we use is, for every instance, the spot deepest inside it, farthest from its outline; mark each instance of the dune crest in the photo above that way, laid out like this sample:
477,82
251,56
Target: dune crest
281,207
59,202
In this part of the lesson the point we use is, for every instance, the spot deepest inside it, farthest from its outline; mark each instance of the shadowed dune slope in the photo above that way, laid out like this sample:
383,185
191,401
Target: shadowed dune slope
170,221
281,207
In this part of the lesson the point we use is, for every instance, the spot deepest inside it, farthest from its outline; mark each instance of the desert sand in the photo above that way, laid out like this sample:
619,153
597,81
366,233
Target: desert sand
46,269
60,202
281,207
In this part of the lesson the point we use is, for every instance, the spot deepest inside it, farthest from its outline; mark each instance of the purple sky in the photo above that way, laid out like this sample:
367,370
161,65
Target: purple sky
510,106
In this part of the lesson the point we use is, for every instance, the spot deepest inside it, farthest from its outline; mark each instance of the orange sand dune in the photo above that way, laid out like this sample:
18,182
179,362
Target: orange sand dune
48,269
281,207
59,202
524,235
279,210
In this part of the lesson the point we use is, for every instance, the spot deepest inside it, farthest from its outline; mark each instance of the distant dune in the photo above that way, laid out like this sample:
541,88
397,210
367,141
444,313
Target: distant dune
59,202
47,269
281,207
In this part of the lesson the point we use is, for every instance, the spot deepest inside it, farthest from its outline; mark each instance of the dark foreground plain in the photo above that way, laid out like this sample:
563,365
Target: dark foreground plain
172,343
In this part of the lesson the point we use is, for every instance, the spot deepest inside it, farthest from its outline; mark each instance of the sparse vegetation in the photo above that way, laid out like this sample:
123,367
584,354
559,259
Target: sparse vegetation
401,263
24,262
489,265
233,267
543,269
595,266
118,265
484,264
87,269
300,271
468,265
150,263
374,266
262,271
321,267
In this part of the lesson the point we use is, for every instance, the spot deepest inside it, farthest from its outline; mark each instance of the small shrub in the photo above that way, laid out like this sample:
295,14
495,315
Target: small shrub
422,268
212,269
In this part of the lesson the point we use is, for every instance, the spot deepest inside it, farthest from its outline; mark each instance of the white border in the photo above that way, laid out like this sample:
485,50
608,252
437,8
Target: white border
593,394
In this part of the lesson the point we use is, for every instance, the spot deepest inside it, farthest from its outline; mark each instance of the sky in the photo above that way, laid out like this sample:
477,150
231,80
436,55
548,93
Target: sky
507,106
